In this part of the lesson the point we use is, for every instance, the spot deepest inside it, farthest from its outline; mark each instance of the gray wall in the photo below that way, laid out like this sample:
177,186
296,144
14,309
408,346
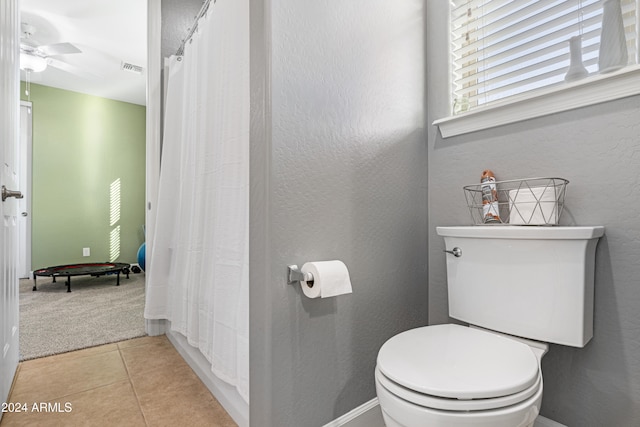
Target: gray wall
177,17
598,149
338,171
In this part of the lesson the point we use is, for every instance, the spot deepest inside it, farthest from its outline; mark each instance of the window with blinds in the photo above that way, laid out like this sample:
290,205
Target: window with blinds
502,48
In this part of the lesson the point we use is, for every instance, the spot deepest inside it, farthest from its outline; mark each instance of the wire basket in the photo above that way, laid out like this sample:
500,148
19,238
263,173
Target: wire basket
533,201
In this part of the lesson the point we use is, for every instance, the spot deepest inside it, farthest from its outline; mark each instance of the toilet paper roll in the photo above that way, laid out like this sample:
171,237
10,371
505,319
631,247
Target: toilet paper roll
330,278
533,206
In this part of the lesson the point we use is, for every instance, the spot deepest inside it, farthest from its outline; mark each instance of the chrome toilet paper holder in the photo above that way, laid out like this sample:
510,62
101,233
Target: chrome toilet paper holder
296,275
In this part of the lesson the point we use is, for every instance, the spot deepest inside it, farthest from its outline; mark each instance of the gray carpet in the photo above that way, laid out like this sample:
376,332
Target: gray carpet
95,312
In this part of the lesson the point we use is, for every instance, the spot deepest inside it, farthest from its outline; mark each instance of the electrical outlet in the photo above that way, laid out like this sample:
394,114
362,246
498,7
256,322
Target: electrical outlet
86,252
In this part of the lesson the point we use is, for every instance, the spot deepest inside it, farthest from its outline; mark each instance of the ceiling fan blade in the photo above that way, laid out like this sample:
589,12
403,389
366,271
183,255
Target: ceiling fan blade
58,49
72,69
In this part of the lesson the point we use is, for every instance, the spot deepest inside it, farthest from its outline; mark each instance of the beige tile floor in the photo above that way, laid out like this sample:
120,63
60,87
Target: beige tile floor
140,382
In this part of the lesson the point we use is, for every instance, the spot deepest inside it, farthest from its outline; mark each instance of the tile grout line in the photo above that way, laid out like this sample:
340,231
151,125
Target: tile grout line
50,358
69,396
64,353
93,388
135,393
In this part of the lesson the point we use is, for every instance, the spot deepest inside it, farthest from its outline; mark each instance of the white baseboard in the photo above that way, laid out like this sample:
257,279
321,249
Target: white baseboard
155,327
370,415
366,415
227,395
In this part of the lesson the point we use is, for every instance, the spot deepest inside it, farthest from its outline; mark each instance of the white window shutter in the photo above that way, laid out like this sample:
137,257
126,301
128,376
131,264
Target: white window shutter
502,48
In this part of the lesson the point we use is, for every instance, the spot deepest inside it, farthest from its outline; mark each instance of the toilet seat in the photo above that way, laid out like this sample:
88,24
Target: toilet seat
448,404
453,367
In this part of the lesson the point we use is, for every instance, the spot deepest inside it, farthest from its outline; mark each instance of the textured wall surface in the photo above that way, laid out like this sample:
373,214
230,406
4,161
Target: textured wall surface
342,176
177,17
598,149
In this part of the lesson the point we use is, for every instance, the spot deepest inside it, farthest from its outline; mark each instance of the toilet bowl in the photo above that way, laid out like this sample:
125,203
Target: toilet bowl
518,288
452,375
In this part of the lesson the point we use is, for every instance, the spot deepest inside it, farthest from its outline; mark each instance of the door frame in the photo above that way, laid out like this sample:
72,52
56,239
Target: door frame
153,137
25,179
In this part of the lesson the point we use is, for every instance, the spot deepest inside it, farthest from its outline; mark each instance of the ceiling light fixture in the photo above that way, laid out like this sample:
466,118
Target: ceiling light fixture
32,63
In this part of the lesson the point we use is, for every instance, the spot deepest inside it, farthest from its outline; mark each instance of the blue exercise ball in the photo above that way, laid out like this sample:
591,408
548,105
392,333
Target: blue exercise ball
141,255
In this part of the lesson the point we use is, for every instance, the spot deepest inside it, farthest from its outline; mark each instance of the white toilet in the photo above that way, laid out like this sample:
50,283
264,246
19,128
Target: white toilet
520,287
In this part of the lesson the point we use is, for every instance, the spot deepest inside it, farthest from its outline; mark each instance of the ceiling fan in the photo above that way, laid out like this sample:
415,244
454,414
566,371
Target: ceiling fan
35,58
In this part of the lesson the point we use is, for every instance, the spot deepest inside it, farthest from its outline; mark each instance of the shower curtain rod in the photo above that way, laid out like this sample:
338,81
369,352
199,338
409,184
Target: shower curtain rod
194,27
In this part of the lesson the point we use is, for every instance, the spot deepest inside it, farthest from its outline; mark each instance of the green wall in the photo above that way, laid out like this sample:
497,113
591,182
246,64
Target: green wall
84,148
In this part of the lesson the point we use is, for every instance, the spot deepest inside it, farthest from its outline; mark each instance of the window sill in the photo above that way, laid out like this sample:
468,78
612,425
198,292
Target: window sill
592,90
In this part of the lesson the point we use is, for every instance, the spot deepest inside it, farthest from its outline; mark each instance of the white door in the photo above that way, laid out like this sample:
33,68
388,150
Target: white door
9,138
24,183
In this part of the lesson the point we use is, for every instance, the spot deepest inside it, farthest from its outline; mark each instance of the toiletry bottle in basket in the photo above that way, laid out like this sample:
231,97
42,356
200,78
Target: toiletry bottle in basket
489,197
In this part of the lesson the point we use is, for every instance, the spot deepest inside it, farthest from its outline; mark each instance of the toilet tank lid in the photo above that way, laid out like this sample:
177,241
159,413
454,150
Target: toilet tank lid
522,232
458,362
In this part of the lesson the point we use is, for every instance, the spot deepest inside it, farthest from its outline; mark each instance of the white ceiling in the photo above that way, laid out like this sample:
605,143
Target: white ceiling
107,32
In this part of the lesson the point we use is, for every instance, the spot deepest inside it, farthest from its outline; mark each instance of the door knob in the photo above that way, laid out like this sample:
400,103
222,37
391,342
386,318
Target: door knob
24,214
9,193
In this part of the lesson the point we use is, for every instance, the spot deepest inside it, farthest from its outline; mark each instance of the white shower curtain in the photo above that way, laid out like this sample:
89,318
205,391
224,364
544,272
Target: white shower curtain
198,273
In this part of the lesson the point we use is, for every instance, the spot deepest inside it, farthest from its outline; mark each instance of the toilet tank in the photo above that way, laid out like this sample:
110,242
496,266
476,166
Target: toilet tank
533,282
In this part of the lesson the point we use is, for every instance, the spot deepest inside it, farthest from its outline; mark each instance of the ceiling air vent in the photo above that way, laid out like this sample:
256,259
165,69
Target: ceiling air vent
125,66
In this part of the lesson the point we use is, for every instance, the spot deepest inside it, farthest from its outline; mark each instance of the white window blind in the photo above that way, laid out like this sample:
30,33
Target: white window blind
502,48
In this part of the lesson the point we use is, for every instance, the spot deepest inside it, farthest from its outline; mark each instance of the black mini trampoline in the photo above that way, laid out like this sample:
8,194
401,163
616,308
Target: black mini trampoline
89,269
